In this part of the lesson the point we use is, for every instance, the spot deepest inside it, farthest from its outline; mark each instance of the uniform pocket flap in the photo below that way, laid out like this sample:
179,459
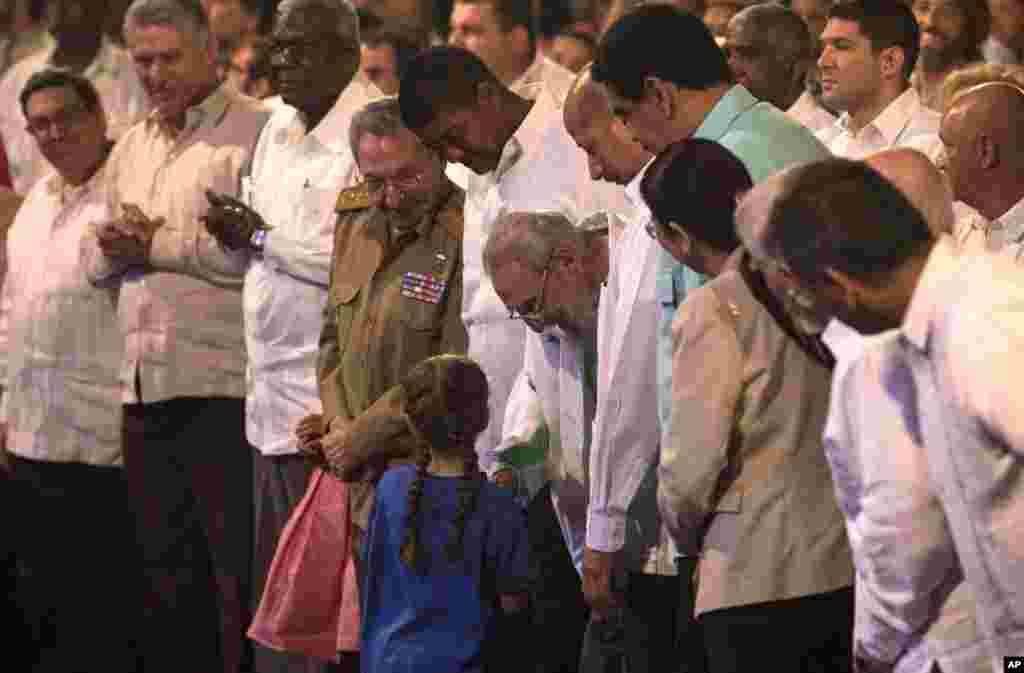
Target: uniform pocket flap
344,293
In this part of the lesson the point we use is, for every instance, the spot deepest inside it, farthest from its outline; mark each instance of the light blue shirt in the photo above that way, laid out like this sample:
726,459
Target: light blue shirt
766,140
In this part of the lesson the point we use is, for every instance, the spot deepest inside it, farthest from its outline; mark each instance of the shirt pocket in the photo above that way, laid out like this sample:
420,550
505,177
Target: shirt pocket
342,297
317,211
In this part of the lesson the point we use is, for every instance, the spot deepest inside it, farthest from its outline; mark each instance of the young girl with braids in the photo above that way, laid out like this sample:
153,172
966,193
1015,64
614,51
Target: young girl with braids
446,552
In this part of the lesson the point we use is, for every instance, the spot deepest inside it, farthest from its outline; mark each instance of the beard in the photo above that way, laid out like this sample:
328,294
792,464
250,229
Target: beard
942,57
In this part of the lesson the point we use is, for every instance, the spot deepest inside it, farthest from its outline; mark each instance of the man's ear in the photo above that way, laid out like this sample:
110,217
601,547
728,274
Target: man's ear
661,94
892,60
521,37
845,288
986,151
212,48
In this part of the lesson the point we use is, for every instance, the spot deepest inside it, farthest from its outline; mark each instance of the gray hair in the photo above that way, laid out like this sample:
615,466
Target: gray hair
529,239
344,13
379,118
185,16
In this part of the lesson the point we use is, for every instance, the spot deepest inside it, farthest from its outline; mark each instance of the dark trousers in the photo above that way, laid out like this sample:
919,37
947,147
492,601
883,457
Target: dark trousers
644,636
810,634
279,483
559,608
78,585
189,472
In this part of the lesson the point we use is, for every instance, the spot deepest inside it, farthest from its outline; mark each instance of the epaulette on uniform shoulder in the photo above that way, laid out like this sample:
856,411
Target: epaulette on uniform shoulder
353,198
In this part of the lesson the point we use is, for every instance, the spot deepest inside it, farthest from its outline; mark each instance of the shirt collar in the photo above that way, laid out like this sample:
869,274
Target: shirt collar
65,193
1012,221
532,75
210,111
891,121
529,133
735,102
942,262
633,194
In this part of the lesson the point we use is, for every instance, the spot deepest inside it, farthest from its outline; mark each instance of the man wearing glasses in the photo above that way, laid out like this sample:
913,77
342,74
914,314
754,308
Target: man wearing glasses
549,275
396,281
61,415
283,225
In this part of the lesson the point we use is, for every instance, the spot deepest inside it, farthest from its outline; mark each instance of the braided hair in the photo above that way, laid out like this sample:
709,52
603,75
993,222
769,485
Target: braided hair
412,553
469,489
445,401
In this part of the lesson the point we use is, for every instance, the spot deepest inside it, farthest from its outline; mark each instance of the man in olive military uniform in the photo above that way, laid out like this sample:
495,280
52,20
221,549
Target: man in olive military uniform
396,281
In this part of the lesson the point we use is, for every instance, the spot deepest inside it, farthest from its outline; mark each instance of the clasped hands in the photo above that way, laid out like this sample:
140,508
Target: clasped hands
231,222
128,238
314,440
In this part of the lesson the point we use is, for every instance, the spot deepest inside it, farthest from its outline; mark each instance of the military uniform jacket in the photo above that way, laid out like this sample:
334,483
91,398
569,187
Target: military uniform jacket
391,304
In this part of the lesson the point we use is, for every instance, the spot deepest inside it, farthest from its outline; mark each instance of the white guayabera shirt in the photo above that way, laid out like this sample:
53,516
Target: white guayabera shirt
60,346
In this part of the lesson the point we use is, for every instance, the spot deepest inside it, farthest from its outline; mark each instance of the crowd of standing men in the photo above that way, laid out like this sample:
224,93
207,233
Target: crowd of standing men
737,285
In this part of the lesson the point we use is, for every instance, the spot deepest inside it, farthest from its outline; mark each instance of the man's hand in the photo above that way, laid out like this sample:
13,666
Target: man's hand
231,222
309,429
128,239
598,569
309,436
505,477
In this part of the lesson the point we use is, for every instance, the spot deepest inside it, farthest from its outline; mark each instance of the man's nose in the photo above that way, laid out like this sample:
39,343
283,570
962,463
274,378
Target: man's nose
825,60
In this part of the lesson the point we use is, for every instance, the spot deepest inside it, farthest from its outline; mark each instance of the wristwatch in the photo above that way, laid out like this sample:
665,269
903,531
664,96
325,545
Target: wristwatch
257,240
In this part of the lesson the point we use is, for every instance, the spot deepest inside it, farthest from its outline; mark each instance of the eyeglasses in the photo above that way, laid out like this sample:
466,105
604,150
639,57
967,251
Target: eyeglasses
66,120
402,185
306,53
532,310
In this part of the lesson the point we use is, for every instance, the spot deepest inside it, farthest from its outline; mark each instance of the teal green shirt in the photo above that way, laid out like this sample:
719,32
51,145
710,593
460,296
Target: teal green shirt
766,140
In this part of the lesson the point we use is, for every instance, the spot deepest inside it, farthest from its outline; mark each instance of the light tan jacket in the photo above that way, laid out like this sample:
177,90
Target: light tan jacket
743,479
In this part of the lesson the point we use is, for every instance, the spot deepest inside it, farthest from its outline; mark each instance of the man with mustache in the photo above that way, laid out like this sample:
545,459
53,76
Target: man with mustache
952,33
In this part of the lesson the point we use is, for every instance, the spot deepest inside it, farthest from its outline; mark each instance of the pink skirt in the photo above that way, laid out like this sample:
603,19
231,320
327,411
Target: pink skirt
310,604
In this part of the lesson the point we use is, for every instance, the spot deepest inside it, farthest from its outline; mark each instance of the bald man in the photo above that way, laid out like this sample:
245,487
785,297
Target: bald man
612,153
913,613
770,52
916,176
984,161
626,421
